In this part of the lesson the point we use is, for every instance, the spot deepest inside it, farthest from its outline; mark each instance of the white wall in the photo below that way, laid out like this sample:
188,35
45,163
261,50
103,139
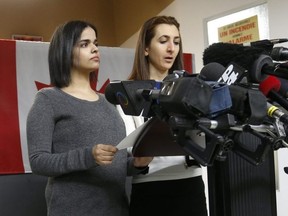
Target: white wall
191,15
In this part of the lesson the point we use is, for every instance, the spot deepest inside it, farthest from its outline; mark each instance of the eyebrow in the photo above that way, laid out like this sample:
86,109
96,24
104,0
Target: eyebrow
87,40
167,36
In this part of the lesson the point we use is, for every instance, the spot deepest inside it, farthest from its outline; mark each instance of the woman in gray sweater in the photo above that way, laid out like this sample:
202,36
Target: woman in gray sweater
72,132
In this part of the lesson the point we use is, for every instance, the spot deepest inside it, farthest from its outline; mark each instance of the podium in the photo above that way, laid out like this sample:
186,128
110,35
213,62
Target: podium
238,188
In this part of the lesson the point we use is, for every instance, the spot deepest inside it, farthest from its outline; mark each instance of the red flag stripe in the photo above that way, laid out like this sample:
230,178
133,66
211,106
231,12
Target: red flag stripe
10,144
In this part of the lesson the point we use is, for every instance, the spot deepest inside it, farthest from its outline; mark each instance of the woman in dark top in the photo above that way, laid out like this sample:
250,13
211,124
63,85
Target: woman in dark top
73,131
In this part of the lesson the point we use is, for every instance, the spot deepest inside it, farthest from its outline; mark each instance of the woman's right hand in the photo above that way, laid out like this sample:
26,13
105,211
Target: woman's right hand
142,161
104,153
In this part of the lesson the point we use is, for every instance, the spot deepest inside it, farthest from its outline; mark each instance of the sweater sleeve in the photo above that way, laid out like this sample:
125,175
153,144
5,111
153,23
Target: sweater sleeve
40,126
132,170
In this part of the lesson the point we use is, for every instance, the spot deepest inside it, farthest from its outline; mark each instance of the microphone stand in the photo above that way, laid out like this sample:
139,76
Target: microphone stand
215,147
257,156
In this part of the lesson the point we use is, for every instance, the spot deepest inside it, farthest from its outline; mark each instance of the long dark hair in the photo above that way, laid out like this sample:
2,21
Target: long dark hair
60,55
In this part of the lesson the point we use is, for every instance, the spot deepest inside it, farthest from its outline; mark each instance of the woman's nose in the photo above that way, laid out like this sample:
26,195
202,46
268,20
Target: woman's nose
171,47
94,48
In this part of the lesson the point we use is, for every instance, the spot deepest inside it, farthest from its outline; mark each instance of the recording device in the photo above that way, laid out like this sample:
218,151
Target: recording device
243,106
223,102
225,53
278,134
270,88
132,96
216,72
265,44
283,88
279,54
181,96
275,112
211,72
256,61
276,53
182,102
286,170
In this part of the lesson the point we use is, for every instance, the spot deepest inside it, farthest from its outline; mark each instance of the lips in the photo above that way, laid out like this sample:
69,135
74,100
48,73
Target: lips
169,59
96,58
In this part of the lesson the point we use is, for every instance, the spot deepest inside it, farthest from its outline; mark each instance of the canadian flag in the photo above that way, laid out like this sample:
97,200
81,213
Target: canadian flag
23,71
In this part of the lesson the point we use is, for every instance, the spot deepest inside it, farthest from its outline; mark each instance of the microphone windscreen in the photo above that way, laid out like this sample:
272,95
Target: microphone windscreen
211,72
270,83
225,53
110,94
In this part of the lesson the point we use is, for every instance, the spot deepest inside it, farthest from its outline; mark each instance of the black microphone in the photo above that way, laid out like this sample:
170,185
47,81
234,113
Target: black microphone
283,88
279,54
276,53
256,61
214,71
110,95
224,53
220,122
286,170
194,96
224,121
269,87
130,95
244,103
265,44
211,72
264,66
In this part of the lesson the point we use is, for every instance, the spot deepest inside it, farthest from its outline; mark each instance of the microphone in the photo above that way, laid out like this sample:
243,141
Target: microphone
194,96
221,122
176,94
129,94
211,72
243,106
257,61
284,88
265,44
279,54
264,66
214,71
225,121
275,112
224,53
270,87
276,53
110,95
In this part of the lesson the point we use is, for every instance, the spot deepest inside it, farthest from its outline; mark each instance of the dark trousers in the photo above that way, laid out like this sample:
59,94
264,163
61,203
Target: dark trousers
185,197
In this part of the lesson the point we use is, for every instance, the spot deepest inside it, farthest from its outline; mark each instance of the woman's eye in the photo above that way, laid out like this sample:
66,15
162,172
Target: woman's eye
83,45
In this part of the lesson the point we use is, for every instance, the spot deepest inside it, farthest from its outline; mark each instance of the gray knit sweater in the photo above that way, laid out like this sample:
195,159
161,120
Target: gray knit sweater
61,131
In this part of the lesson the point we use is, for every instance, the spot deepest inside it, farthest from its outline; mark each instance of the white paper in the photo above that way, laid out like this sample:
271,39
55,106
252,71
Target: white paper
130,140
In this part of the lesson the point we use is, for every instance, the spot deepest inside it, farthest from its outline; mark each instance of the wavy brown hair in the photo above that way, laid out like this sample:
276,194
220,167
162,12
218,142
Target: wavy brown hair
140,70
